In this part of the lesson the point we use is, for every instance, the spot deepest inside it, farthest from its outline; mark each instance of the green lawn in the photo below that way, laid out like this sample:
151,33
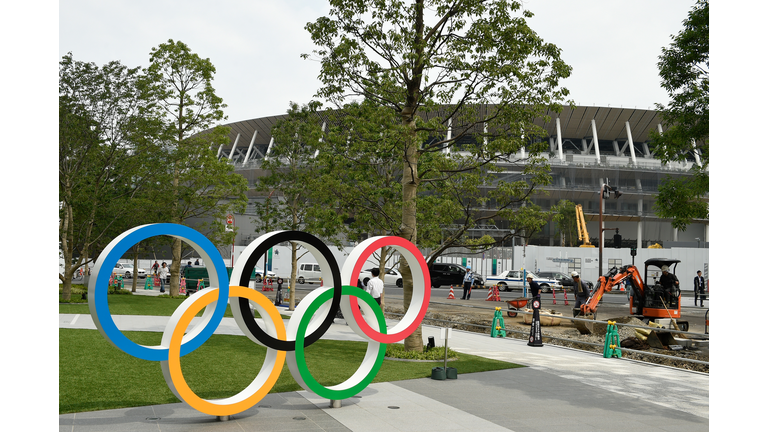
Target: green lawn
135,305
94,375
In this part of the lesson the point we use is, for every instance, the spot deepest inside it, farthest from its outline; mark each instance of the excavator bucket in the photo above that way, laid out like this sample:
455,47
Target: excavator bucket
583,327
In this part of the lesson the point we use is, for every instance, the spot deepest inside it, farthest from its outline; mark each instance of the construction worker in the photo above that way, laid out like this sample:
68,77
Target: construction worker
669,282
580,290
535,289
468,279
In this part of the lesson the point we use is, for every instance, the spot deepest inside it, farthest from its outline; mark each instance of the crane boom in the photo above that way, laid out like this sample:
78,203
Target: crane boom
581,225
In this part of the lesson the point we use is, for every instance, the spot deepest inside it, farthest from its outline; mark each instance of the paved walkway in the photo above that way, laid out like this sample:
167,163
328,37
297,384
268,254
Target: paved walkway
561,390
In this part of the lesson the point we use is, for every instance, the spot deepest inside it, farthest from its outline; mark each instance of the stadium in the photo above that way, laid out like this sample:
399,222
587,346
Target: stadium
588,147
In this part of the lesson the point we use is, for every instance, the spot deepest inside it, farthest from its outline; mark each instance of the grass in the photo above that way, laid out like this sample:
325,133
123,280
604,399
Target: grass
136,305
94,375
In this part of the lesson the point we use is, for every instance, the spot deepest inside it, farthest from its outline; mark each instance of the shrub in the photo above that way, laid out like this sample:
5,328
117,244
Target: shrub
436,353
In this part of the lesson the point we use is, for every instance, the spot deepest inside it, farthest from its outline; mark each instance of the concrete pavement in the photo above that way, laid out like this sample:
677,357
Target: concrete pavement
561,389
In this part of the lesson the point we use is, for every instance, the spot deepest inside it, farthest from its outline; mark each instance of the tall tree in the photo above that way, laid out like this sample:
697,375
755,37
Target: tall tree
447,71
684,70
296,192
201,185
564,216
103,160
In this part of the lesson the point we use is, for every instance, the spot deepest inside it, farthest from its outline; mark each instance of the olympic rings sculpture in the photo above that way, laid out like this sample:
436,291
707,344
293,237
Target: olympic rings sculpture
310,321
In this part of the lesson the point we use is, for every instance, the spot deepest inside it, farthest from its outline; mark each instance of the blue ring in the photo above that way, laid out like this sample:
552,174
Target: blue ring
116,249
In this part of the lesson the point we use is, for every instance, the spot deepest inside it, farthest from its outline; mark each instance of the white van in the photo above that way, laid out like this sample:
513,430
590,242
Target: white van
308,272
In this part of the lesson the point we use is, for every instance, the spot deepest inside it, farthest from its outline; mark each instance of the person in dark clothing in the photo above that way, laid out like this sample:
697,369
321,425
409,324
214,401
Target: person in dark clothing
279,292
468,279
669,282
535,289
580,290
699,289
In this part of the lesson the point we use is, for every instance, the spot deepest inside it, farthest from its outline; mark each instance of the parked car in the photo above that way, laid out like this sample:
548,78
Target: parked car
127,271
391,276
513,279
259,274
450,274
308,272
565,280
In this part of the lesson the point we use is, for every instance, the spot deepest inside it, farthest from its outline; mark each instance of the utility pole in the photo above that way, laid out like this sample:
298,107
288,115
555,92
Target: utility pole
605,192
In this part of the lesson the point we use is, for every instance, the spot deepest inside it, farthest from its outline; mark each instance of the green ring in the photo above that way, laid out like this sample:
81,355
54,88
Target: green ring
301,362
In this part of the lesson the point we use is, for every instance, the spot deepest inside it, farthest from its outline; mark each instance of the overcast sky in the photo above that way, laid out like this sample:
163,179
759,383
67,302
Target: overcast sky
613,46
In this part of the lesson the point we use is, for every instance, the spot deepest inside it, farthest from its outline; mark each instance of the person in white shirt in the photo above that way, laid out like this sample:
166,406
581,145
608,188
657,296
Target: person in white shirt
375,286
162,273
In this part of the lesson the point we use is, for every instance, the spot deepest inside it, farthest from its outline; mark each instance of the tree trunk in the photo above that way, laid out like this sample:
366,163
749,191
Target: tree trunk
383,256
135,267
413,342
292,296
175,266
66,278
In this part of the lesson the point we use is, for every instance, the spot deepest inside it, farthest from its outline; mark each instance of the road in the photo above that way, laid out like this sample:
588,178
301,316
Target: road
613,305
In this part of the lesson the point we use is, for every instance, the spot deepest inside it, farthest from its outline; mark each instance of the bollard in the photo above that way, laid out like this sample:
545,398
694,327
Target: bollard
534,339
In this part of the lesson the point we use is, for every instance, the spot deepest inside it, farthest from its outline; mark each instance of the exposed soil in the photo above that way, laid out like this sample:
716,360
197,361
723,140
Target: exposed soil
479,318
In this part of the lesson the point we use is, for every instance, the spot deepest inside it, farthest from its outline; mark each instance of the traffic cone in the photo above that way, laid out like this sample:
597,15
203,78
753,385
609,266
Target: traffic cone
554,299
450,294
565,294
493,294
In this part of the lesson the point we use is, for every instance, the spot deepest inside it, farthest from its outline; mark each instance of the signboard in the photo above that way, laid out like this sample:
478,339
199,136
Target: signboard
230,225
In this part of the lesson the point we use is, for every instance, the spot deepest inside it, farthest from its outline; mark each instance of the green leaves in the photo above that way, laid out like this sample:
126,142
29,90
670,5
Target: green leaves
684,69
182,84
681,199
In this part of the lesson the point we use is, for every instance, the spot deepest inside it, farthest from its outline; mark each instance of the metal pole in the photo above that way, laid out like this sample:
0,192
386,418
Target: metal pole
600,229
445,362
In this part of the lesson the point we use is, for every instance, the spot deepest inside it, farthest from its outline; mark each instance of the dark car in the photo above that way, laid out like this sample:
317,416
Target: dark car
450,274
565,280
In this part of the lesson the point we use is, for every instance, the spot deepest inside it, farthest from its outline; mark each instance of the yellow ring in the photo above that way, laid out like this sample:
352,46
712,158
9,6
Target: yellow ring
239,402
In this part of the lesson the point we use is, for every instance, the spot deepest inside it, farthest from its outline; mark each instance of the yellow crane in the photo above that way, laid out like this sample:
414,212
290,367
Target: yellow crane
581,224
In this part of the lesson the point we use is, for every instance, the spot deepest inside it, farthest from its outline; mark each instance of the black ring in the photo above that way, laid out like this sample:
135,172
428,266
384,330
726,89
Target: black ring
250,263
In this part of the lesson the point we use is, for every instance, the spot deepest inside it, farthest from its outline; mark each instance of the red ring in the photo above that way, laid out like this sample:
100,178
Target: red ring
368,330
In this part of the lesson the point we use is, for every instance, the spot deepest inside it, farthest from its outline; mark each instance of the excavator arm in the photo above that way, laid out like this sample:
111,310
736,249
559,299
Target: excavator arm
606,283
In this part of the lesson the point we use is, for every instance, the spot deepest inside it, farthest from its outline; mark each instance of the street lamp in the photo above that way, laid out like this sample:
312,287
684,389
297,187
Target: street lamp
605,193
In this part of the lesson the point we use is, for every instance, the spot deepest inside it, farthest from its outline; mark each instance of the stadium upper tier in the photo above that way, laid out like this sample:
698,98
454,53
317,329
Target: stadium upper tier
586,136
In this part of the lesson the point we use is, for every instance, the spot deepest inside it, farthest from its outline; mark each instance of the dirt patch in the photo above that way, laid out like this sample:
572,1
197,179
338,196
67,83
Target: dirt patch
566,334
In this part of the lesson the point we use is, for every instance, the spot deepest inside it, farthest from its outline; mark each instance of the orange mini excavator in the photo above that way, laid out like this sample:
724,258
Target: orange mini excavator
647,301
